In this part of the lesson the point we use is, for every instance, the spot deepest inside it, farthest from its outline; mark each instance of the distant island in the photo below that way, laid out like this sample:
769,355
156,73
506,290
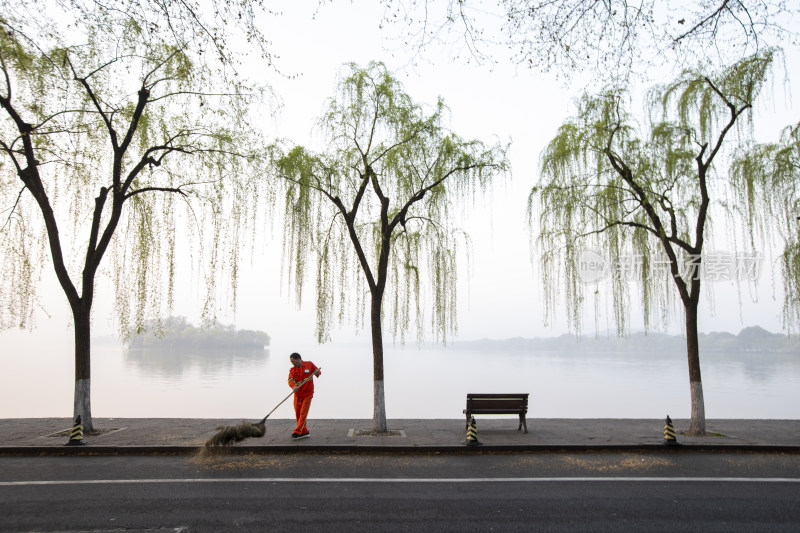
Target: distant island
750,339
176,332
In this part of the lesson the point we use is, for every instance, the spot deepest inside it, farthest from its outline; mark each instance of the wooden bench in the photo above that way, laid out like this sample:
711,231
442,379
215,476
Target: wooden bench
498,404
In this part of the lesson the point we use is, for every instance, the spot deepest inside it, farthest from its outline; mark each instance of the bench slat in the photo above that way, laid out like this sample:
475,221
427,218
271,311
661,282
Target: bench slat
498,404
497,395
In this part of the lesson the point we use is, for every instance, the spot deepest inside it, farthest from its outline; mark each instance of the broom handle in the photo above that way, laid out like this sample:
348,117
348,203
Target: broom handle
301,384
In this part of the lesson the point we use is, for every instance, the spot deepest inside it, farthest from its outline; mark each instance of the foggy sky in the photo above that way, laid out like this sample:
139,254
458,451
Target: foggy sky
501,296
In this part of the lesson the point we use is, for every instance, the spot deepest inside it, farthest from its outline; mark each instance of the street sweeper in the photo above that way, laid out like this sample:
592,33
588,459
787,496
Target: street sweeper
227,435
303,389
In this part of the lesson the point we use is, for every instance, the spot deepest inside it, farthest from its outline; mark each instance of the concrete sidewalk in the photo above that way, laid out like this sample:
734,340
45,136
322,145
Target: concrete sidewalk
161,435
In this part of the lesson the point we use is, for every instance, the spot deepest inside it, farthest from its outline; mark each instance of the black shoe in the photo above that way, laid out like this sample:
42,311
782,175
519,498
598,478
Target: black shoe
304,435
295,435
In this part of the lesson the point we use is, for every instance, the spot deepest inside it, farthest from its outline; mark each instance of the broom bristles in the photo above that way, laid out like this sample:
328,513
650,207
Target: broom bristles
230,434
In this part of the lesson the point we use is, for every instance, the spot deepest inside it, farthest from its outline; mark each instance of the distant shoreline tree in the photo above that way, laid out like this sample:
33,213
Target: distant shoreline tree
110,124
375,211
603,185
176,332
750,339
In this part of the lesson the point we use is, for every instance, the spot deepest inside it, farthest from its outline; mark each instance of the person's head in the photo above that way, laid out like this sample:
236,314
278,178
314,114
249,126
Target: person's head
295,359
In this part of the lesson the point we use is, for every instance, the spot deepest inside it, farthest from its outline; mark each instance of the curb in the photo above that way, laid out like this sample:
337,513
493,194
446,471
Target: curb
89,450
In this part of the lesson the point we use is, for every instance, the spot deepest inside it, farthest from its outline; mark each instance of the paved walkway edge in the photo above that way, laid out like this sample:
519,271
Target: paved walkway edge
87,450
132,436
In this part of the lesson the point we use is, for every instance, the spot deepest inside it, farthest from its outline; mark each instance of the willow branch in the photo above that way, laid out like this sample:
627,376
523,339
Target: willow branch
109,126
13,208
702,23
177,190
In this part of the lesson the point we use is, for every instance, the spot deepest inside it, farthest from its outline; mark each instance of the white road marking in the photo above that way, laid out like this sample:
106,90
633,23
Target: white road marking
408,480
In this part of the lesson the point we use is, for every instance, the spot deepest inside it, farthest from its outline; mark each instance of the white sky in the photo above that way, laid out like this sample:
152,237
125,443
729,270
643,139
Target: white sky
501,296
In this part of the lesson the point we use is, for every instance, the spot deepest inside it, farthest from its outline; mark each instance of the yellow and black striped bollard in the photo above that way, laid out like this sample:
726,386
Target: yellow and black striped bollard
76,435
472,433
669,433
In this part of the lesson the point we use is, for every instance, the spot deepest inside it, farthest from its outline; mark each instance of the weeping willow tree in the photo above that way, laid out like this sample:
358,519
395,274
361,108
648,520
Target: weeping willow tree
373,213
766,178
113,133
643,200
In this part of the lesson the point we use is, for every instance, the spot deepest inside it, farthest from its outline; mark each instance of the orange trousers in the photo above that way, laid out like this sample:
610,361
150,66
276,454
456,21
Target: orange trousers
301,407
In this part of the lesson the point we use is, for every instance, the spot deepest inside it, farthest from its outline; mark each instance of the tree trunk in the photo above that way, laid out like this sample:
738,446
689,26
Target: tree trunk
82,404
379,413
698,423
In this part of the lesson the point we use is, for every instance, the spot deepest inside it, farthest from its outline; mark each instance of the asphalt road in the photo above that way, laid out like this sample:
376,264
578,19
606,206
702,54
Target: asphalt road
475,492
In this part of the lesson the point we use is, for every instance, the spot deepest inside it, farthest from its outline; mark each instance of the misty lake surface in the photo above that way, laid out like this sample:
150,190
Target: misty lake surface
429,382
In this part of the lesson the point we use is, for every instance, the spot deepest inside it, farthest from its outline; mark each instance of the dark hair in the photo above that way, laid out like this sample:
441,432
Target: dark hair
295,355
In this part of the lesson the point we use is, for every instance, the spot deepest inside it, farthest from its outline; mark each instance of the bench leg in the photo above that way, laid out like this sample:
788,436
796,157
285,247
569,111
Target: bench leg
467,426
523,422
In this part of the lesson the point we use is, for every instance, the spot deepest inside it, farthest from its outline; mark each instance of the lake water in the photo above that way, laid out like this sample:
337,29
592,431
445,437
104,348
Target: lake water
420,383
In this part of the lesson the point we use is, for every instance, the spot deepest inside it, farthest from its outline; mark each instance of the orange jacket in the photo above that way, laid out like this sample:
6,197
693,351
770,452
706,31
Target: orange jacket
297,374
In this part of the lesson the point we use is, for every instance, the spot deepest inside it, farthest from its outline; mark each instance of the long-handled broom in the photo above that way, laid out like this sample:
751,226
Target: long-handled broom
227,435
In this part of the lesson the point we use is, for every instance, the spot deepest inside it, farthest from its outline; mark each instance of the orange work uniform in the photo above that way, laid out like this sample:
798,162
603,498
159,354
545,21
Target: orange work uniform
302,397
